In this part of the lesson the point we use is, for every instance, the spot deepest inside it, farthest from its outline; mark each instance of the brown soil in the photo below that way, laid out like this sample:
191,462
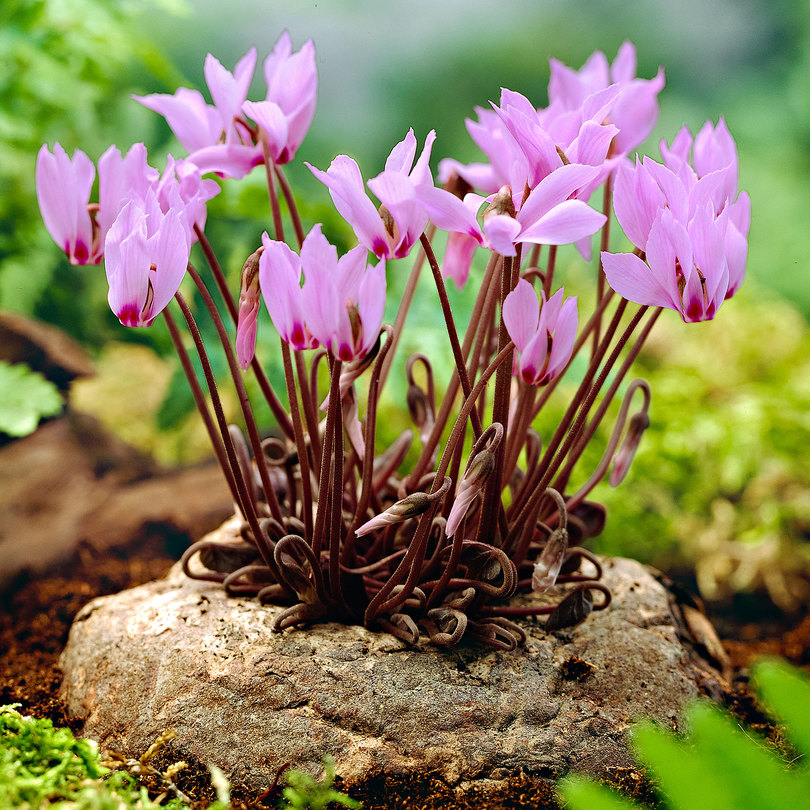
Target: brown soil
36,612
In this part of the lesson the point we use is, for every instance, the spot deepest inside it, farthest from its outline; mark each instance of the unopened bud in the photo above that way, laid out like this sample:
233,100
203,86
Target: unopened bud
417,405
548,564
249,300
501,204
639,422
409,507
475,476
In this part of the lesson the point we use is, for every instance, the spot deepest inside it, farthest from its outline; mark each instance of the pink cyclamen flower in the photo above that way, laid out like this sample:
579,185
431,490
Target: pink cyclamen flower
63,191
340,305
543,332
686,221
635,108
549,215
146,255
289,107
389,233
215,136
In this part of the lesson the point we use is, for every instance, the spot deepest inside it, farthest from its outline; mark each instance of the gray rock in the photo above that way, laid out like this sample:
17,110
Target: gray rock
180,654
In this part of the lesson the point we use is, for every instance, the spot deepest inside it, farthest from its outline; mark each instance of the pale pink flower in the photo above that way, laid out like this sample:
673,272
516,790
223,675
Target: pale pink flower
289,107
389,233
688,225
146,255
635,107
543,332
63,191
340,305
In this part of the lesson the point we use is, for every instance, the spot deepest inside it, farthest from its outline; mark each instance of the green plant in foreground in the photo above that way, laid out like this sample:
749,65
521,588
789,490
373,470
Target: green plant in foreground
305,793
42,766
720,766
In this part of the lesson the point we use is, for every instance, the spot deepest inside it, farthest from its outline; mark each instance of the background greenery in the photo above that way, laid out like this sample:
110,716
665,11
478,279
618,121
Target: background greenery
721,479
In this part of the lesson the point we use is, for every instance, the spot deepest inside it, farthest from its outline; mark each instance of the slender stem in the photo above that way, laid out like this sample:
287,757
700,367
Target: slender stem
275,210
461,367
269,394
500,414
244,501
405,305
604,245
244,402
202,405
548,277
549,468
300,442
291,206
326,459
577,450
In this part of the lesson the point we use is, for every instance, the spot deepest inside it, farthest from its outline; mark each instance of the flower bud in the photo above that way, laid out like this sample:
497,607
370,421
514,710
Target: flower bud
409,507
249,300
548,564
475,476
639,422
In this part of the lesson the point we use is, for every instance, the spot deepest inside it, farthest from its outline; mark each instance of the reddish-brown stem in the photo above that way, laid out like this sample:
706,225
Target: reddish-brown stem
604,245
244,500
268,393
332,412
202,405
300,443
244,402
291,206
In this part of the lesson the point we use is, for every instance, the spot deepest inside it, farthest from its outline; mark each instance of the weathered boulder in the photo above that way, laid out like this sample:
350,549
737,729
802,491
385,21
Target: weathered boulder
180,654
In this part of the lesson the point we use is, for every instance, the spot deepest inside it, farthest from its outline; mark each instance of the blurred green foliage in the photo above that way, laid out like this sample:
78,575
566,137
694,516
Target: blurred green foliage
66,71
25,397
719,765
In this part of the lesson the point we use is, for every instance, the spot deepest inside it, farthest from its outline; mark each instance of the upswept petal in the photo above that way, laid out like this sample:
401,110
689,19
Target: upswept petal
127,263
229,90
402,155
567,222
714,148
171,248
345,184
63,191
420,175
227,159
270,117
521,312
280,282
565,333
636,111
553,189
119,178
371,303
630,277
194,123
458,257
448,213
502,232
637,198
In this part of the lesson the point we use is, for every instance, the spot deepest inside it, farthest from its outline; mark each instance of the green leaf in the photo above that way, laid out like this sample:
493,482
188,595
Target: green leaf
580,793
25,397
786,692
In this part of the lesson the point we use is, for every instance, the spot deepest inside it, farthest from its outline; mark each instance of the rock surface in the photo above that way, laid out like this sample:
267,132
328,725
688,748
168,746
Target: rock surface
180,654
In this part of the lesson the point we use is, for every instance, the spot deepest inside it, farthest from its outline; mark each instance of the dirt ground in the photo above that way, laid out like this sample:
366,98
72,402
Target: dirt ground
36,612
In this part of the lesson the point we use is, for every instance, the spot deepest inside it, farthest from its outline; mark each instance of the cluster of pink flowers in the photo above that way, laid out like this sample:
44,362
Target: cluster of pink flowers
687,221
686,218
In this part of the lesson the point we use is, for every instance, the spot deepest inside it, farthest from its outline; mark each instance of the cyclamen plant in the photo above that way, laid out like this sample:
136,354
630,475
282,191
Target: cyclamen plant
331,527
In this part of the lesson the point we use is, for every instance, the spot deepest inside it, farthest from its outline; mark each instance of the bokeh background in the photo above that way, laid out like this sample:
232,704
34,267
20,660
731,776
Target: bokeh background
721,485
